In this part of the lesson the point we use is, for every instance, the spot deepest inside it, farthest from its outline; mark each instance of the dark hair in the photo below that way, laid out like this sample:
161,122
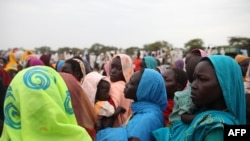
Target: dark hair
191,66
181,77
75,66
196,52
88,68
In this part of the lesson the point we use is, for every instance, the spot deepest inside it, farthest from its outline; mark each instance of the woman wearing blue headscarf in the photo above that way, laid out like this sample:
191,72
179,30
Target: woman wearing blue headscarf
148,62
149,103
218,91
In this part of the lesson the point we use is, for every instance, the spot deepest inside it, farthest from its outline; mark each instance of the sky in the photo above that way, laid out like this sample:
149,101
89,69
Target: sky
120,23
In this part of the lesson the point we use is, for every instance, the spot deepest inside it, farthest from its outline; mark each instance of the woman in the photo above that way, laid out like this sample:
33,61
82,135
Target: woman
218,92
148,62
149,103
75,67
38,107
83,109
175,80
120,72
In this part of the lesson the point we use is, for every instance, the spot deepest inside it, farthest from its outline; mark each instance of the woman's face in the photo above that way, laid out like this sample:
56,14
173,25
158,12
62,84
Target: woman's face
132,86
116,73
205,87
170,82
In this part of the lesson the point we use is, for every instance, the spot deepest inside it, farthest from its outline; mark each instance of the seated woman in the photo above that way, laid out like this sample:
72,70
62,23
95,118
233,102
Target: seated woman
218,92
149,103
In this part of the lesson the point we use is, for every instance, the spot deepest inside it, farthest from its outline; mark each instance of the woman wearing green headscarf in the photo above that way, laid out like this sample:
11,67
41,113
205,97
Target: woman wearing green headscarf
38,107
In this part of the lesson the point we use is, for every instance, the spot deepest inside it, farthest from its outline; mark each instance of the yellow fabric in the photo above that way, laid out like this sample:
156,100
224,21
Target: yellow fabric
38,107
12,64
239,58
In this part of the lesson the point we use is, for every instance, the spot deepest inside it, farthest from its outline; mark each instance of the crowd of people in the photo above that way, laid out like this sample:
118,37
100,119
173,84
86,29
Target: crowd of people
135,99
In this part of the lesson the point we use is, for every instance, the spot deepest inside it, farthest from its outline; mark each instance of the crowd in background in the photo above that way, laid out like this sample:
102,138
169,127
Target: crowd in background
121,97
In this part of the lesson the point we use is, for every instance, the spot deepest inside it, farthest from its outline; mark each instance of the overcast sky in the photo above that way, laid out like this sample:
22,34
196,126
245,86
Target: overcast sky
120,23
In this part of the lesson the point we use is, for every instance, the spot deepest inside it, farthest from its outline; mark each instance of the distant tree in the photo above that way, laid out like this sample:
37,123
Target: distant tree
98,48
63,49
194,43
43,49
240,43
157,46
131,50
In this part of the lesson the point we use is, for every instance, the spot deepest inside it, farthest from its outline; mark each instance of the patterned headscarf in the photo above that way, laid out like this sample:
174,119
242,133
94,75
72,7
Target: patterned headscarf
38,107
81,64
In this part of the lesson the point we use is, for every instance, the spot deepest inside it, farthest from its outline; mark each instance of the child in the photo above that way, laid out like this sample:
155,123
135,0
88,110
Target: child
97,89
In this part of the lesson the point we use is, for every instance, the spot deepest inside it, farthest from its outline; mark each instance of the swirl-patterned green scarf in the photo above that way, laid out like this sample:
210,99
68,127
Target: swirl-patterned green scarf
38,107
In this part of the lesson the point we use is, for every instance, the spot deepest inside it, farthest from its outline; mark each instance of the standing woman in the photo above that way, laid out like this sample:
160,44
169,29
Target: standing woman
218,92
149,103
38,107
120,72
83,109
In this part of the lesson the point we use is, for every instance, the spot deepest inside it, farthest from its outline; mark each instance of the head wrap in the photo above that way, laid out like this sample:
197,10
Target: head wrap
229,76
90,84
179,64
127,66
59,65
152,92
35,62
81,64
38,107
5,77
83,109
202,52
12,63
150,62
46,59
239,58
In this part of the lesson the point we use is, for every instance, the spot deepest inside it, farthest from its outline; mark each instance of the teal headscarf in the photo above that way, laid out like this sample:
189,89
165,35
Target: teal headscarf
229,76
228,73
150,62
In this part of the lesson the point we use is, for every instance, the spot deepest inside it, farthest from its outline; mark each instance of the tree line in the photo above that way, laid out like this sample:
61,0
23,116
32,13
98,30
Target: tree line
97,48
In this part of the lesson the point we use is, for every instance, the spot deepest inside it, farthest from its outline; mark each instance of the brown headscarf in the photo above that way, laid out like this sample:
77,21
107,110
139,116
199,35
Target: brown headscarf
84,111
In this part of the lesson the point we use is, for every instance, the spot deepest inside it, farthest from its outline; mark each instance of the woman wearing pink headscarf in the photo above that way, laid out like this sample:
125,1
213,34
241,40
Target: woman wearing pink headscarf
120,72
